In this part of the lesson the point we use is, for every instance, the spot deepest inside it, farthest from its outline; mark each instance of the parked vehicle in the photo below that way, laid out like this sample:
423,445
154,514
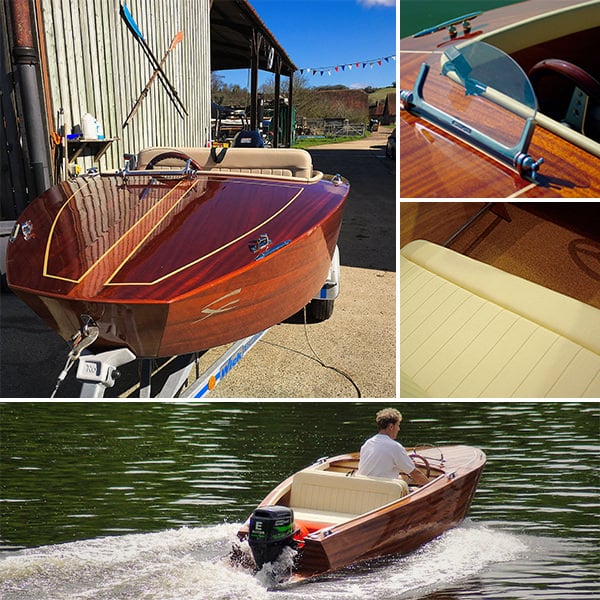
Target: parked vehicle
167,260
390,148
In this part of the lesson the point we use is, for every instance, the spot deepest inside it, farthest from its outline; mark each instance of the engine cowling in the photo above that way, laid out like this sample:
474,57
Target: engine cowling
271,530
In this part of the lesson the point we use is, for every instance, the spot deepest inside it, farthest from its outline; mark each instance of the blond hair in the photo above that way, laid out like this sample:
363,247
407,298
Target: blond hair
386,416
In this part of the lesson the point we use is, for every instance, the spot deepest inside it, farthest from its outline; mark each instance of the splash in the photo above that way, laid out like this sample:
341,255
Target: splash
173,564
191,564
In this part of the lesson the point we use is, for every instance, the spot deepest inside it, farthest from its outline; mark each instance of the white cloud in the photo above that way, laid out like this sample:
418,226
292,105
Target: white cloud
377,2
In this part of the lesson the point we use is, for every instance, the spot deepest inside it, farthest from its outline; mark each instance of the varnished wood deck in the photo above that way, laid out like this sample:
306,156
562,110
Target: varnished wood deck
435,164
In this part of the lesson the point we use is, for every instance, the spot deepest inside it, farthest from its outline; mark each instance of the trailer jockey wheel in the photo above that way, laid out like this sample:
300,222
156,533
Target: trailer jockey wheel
173,154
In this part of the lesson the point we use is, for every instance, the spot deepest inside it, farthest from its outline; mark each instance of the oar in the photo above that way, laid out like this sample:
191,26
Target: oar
133,27
178,37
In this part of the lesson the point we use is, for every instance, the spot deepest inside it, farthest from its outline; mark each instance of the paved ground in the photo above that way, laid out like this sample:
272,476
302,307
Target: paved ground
358,342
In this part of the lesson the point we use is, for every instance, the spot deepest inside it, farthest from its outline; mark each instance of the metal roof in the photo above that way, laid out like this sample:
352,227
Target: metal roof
236,28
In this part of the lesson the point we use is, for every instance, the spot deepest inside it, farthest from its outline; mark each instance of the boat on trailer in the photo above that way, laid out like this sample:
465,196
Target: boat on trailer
183,250
503,103
333,517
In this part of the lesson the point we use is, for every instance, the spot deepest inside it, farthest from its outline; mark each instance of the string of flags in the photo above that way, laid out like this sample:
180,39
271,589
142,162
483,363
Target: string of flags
349,66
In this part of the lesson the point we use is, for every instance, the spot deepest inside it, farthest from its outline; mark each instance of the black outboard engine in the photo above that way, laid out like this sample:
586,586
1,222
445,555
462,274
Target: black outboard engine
271,530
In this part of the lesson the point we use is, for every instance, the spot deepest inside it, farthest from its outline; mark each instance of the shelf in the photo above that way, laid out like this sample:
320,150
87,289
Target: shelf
95,148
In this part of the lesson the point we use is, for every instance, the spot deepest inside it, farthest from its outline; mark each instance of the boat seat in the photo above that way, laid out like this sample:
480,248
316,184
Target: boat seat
327,497
468,329
280,162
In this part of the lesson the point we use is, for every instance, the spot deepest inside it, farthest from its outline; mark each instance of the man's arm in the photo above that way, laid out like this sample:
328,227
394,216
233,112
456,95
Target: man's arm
418,477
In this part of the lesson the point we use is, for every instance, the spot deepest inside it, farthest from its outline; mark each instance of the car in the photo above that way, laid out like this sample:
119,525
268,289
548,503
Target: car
248,139
390,148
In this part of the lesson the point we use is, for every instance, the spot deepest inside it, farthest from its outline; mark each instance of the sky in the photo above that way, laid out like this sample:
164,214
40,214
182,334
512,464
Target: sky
325,34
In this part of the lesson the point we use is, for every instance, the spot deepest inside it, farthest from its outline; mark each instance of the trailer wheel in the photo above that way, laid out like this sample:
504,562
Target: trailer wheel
320,310
4,289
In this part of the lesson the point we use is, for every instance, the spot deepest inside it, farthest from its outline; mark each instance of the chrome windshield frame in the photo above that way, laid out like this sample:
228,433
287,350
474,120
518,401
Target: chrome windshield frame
456,67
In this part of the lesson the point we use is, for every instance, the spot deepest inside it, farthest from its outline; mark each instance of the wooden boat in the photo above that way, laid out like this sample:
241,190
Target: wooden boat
471,122
174,261
336,517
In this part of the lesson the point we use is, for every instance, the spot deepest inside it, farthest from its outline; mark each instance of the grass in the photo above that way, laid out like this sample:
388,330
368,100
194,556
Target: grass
380,94
309,142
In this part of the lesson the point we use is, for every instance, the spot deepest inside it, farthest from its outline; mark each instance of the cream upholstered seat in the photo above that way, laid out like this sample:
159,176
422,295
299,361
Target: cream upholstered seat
470,330
329,497
279,162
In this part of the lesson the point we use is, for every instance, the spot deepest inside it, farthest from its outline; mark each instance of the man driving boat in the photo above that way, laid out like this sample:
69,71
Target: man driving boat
382,456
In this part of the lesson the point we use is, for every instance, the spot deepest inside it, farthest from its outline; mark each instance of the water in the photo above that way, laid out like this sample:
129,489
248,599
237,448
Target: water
143,500
416,15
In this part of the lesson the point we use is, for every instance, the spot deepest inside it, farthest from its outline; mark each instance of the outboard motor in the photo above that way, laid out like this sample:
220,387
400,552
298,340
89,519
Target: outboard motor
271,530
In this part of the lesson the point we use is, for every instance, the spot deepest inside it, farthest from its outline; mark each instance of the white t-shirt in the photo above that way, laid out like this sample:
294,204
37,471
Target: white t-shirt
381,456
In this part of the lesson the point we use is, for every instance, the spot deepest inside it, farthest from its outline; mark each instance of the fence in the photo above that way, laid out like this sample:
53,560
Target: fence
331,128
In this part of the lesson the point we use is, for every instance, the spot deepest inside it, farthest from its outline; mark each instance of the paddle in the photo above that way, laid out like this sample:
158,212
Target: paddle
178,37
133,27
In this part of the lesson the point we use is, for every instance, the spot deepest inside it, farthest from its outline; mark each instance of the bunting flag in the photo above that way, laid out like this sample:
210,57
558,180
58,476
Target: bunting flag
350,65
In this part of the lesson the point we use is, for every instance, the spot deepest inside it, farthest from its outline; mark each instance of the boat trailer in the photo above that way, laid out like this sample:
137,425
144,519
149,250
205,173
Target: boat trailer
99,372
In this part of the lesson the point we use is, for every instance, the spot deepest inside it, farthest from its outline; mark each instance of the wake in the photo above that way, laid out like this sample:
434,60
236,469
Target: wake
190,564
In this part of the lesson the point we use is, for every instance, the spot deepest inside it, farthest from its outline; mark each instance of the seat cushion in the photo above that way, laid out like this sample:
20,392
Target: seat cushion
331,492
283,162
470,330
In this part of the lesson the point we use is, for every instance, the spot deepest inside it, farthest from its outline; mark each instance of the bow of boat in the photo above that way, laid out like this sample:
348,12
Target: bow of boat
171,264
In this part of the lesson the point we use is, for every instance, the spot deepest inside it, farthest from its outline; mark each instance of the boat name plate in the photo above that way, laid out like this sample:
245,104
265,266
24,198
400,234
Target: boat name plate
273,249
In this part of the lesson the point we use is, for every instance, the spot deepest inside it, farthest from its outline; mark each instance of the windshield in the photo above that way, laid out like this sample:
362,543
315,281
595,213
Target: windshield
480,94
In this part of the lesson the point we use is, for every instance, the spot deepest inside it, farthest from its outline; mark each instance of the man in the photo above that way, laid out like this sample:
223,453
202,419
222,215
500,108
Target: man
382,456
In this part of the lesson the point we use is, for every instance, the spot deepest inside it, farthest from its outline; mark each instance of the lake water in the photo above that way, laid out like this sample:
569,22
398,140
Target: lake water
143,500
416,15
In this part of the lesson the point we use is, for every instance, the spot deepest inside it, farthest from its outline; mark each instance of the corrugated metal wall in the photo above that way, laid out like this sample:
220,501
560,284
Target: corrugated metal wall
96,65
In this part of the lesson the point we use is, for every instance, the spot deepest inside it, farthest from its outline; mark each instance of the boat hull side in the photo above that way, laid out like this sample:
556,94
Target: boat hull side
396,530
253,300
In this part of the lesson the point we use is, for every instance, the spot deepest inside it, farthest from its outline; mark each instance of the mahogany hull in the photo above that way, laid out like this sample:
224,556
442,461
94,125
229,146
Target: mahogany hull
169,267
453,168
396,528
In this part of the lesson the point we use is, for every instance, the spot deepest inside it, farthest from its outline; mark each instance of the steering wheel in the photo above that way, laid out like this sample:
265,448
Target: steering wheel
586,86
176,154
425,463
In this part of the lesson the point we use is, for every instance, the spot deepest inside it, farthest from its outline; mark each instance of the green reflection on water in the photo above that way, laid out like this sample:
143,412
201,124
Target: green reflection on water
77,471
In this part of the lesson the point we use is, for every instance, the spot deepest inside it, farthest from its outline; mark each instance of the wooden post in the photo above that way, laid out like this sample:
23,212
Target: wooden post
288,129
256,42
276,104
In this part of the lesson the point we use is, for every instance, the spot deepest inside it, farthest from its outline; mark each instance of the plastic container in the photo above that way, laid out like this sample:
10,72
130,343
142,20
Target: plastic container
89,127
